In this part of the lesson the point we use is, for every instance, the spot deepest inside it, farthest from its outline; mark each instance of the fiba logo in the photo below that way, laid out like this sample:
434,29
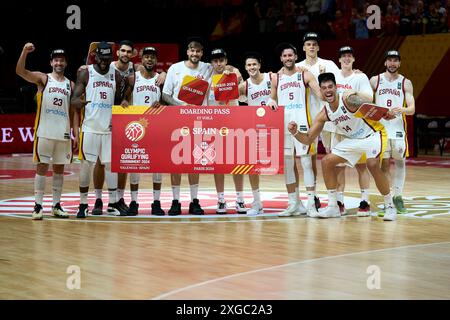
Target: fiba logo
135,130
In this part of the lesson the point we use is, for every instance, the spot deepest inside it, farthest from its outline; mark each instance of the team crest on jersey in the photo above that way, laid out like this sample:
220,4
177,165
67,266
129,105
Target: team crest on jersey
112,77
135,130
344,110
268,85
68,86
299,77
399,85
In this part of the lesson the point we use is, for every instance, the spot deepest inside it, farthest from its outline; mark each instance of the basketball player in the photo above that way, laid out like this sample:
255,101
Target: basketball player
52,126
218,61
394,91
98,83
257,89
193,66
362,136
316,65
146,93
290,88
126,68
347,79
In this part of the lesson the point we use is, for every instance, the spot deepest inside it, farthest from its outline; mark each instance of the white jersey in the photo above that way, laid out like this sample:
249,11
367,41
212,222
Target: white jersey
328,66
391,94
258,94
348,125
100,91
52,116
293,94
357,82
178,71
145,91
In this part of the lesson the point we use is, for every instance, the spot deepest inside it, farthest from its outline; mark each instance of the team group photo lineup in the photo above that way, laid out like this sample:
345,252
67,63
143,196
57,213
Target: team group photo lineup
262,150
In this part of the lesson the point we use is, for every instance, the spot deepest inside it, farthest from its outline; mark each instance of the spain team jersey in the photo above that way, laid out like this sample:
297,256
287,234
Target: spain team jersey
259,94
145,91
391,94
100,91
293,94
52,116
348,125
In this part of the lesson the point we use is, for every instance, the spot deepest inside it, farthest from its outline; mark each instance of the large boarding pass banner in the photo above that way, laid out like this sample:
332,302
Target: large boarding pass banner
192,139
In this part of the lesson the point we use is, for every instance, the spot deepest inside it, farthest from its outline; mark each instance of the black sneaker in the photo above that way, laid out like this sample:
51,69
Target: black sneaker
116,210
195,208
122,205
133,209
156,208
98,207
82,210
317,202
175,209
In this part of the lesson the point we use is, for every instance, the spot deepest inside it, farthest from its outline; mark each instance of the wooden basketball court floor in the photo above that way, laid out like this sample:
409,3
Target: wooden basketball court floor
231,257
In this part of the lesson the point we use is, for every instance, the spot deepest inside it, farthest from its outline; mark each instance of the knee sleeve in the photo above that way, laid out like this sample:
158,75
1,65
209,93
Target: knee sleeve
289,173
157,178
85,173
308,173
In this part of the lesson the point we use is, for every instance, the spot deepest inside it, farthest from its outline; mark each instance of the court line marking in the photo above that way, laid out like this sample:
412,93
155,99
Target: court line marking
235,275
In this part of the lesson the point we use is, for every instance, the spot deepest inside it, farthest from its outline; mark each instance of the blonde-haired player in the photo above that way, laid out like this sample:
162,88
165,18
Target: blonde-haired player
348,79
394,91
52,142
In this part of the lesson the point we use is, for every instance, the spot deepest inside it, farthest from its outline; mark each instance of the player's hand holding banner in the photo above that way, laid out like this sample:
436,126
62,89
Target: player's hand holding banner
192,139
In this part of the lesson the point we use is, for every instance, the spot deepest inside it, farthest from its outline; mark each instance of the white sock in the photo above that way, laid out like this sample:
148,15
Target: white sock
120,193
293,197
156,195
83,198
256,195
112,193
194,191
221,196
98,193
365,195
176,192
57,187
297,194
39,188
240,196
332,201
134,195
388,200
311,195
340,196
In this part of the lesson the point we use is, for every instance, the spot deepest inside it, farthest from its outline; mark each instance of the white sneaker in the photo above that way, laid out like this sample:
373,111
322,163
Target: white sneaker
38,212
390,214
291,210
330,212
257,208
301,209
240,207
311,210
221,208
58,212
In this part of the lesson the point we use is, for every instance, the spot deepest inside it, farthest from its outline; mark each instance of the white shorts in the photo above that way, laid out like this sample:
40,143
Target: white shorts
291,144
93,146
52,151
397,149
352,150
